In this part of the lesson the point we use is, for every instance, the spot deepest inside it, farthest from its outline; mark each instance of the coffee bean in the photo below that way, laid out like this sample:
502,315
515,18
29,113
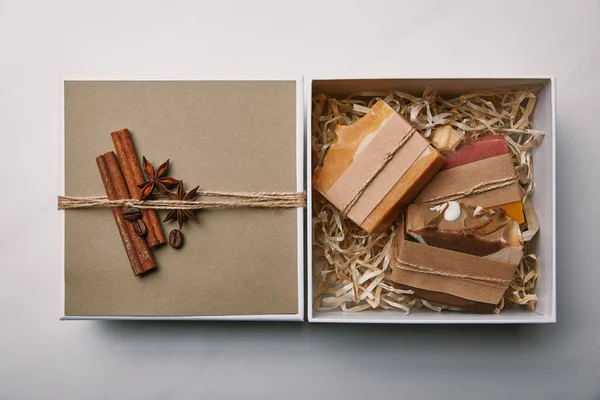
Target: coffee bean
132,214
139,227
175,238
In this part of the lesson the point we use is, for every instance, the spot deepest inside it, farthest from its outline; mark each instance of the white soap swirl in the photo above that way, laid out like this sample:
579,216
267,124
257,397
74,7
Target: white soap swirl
452,211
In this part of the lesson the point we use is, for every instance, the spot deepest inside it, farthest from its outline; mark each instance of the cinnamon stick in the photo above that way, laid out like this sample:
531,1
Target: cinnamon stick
141,247
134,260
133,176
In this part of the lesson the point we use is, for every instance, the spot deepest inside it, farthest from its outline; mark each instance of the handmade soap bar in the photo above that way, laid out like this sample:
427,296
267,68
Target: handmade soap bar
445,138
486,147
467,229
375,167
472,150
449,277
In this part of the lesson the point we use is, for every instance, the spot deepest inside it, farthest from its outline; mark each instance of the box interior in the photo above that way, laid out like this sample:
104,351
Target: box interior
543,199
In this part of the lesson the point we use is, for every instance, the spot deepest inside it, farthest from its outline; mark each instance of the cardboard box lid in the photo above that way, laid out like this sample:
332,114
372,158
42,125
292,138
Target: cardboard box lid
221,135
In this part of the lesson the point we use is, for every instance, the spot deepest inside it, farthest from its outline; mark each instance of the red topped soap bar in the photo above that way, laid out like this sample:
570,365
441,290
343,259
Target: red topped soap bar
484,147
473,150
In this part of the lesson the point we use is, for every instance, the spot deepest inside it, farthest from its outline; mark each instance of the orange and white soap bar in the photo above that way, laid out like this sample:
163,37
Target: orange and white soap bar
356,156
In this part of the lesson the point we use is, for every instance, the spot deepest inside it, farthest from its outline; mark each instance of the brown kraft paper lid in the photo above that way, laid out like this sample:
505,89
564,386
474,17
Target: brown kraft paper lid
224,136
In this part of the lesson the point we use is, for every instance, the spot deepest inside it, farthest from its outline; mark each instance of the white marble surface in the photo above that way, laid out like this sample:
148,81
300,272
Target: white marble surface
44,358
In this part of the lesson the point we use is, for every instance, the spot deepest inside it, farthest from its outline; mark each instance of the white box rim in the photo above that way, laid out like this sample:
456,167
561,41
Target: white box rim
449,319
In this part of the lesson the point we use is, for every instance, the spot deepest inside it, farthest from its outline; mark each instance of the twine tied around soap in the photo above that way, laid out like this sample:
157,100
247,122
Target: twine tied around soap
482,280
386,159
477,189
230,200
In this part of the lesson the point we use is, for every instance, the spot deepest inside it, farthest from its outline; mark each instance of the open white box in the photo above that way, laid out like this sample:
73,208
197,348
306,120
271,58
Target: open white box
544,118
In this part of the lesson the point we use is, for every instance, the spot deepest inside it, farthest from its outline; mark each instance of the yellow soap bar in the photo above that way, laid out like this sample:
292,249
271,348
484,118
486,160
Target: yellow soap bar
354,139
445,138
404,191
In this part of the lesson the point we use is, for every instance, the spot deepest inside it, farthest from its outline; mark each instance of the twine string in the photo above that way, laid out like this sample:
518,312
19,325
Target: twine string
477,189
388,157
230,200
483,280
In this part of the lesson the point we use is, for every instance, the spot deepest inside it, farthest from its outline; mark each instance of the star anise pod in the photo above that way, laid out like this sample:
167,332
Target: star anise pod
156,179
181,215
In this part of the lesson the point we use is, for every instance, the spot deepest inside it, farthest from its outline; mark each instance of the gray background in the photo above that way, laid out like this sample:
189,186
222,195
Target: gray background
41,357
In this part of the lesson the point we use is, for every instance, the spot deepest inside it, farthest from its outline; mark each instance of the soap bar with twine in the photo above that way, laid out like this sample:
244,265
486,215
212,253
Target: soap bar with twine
467,229
482,148
375,167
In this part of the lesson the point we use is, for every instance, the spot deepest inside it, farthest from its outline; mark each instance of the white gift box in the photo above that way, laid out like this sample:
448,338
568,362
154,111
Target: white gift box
544,198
